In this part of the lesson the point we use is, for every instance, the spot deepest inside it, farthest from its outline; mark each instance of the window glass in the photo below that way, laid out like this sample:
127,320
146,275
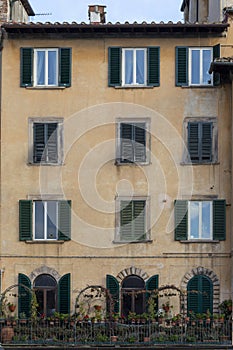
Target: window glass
140,66
52,67
45,219
128,66
200,220
39,220
206,219
194,220
40,67
46,63
51,220
206,65
195,67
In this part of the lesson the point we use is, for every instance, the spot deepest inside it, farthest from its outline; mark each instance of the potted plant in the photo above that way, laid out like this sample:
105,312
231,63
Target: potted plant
11,307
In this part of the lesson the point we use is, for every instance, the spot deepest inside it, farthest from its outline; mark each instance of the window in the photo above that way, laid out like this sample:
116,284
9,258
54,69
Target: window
200,294
44,220
201,140
134,66
200,220
132,220
192,66
132,142
45,67
45,141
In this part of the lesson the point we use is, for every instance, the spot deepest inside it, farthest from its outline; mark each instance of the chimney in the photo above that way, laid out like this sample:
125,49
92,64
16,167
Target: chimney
96,14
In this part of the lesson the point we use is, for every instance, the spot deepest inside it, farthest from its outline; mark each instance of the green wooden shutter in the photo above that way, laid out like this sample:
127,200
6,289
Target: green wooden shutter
200,294
206,141
138,232
216,54
126,217
207,294
25,220
39,142
26,66
127,144
181,220
219,219
64,294
114,66
193,295
153,71
140,142
64,220
152,284
65,67
24,296
113,287
181,66
193,141
51,146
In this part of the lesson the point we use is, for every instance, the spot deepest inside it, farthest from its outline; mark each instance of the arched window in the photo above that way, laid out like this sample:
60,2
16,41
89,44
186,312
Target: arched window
133,295
200,294
45,287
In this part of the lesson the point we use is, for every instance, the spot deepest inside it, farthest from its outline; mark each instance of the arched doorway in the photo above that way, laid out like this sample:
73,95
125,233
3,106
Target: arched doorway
45,287
200,294
133,295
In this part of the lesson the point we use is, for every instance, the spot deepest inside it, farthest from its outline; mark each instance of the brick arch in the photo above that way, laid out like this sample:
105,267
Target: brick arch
211,275
132,271
44,270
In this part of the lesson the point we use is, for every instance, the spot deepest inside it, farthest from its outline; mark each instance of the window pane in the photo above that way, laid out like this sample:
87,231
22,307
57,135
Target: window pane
39,220
140,66
194,219
51,220
40,68
52,67
128,66
206,220
206,66
195,67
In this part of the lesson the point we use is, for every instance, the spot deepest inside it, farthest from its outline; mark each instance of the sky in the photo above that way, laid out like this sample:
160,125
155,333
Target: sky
117,10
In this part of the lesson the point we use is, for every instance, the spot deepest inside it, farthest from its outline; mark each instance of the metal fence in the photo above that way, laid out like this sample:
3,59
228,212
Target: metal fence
119,332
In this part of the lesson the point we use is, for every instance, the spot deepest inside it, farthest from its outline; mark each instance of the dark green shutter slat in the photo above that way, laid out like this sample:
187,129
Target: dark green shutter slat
25,220
181,220
114,66
51,145
113,287
207,295
39,142
64,294
219,219
193,295
139,220
152,284
65,67
200,294
127,148
140,142
181,66
206,141
126,216
26,66
216,54
24,296
193,141
153,73
64,219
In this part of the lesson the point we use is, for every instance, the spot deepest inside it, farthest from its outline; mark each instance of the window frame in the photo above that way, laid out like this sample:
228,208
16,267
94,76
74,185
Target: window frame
133,122
186,159
45,219
200,232
46,70
118,233
190,66
134,50
60,142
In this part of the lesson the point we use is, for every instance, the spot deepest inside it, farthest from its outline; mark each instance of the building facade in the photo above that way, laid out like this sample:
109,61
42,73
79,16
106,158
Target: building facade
116,161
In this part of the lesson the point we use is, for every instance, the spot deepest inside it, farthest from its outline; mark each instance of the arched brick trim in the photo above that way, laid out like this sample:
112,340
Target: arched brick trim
132,271
212,276
44,270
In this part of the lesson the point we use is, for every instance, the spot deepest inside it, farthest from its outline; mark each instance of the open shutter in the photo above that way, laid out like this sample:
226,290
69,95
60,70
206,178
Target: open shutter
138,232
193,295
113,287
126,217
26,66
24,295
127,143
114,66
181,66
65,67
219,219
39,153
140,142
216,54
25,220
181,220
153,72
64,294
206,142
207,294
193,141
152,284
64,219
51,145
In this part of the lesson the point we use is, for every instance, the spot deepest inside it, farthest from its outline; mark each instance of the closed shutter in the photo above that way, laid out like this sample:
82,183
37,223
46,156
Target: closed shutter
193,297
138,233
181,220
24,295
64,294
126,216
26,67
132,221
39,153
64,220
206,142
193,141
207,294
114,66
65,67
113,287
181,66
127,147
25,220
153,73
200,294
152,284
219,219
51,146
140,142
216,54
